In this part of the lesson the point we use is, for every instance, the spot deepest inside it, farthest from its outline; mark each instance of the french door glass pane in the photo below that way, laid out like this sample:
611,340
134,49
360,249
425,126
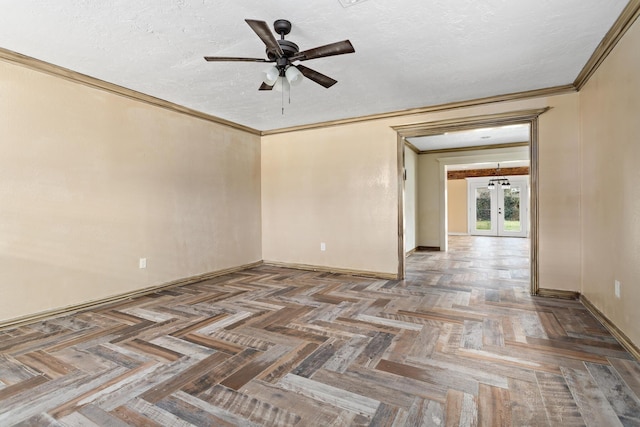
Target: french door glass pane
512,209
483,209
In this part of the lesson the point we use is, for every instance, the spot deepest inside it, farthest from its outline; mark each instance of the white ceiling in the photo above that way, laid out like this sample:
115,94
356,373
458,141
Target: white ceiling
409,53
474,137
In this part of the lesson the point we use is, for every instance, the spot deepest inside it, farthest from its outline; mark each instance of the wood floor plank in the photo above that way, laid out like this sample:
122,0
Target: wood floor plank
309,410
622,399
157,414
346,354
134,418
255,367
76,419
317,359
384,416
106,388
559,404
428,391
497,377
629,371
41,420
186,376
220,372
494,407
361,385
423,413
100,417
332,395
241,405
287,362
121,392
454,408
472,335
593,404
152,350
190,413
527,406
22,386
433,376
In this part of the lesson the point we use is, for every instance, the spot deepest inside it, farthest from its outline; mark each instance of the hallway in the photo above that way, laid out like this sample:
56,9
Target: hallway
474,262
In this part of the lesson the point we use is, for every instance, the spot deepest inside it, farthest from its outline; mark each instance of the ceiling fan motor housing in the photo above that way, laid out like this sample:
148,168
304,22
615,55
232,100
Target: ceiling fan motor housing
288,48
282,27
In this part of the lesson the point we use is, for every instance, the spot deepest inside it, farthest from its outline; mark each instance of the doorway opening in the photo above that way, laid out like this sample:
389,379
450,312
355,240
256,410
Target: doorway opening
499,152
497,210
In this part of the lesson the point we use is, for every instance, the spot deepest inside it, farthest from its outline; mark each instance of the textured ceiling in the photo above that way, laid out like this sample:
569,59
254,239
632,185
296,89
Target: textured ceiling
471,138
409,53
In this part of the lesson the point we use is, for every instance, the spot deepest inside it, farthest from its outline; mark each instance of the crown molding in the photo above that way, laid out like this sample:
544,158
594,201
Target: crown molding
92,82
475,147
536,93
471,122
626,19
411,146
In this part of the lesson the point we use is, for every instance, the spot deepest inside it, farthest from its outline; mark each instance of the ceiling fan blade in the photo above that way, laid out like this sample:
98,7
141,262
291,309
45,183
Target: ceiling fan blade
317,77
265,86
332,49
262,30
233,58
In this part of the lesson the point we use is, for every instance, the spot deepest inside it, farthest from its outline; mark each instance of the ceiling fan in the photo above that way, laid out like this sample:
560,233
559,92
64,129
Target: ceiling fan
284,53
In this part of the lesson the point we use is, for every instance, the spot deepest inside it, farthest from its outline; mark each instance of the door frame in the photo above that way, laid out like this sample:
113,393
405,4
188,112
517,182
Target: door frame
465,123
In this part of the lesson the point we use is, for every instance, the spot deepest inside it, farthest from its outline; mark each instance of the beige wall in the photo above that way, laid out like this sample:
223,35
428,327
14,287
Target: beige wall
457,206
335,185
90,182
610,109
559,195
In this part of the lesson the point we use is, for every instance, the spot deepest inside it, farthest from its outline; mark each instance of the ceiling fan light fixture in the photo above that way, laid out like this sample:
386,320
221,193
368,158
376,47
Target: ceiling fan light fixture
293,75
270,75
347,3
282,84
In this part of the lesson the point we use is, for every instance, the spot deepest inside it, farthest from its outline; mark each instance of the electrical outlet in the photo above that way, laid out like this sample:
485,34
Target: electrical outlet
142,263
617,288
323,247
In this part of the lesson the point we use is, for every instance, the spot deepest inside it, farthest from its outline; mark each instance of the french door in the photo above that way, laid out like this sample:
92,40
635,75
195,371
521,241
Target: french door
498,211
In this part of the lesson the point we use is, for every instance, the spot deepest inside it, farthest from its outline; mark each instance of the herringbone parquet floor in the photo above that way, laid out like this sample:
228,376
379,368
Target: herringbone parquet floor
458,343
